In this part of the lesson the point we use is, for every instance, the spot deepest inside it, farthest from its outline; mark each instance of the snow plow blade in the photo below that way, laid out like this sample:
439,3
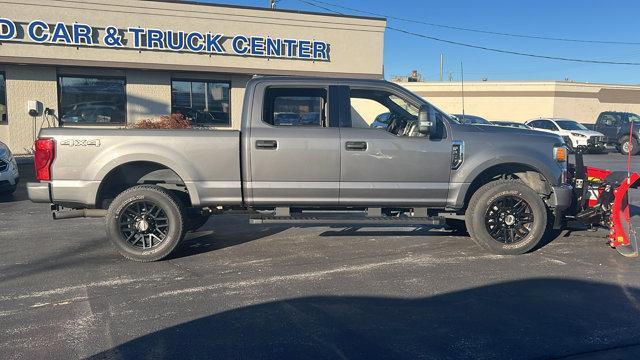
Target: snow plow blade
601,200
623,236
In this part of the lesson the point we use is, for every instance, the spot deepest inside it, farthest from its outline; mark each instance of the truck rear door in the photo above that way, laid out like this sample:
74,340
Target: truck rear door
294,151
395,166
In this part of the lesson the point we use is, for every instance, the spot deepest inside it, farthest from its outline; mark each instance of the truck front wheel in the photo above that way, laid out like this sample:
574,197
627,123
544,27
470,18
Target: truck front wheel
507,217
145,223
627,146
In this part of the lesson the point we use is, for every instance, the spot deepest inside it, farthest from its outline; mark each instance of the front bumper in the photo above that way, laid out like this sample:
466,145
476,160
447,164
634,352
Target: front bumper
592,143
39,192
9,176
8,185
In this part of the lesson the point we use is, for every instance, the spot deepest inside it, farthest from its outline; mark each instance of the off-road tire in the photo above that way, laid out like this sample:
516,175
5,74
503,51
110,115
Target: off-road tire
624,141
164,199
479,206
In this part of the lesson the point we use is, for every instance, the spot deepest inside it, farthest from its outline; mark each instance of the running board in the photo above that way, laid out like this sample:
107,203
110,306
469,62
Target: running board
345,219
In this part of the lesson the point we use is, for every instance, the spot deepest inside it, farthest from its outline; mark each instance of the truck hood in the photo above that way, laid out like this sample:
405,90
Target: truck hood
587,133
502,133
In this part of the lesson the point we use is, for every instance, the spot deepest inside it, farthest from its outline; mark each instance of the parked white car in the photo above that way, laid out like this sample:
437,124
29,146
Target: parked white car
9,175
575,135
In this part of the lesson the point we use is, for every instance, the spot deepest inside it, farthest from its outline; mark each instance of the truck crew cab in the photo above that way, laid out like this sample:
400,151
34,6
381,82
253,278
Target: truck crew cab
325,166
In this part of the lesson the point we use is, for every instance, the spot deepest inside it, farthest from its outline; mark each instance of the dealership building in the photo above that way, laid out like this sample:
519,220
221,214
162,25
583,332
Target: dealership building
524,100
111,63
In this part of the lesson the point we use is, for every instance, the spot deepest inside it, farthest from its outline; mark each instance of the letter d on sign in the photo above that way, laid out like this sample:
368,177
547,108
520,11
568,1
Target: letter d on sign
7,29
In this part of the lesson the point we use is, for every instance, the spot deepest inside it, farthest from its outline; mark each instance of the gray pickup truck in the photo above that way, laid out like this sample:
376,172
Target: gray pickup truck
306,154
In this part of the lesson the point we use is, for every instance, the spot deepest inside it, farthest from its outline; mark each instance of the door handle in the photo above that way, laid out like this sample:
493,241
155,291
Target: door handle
266,144
355,146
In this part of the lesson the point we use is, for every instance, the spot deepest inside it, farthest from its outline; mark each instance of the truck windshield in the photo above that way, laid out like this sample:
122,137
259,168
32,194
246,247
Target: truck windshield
570,125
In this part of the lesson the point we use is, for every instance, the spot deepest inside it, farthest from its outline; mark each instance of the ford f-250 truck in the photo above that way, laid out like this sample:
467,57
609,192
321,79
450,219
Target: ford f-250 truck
305,154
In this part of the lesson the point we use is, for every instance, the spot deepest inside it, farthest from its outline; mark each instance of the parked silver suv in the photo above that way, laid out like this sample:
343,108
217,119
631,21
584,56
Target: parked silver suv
9,175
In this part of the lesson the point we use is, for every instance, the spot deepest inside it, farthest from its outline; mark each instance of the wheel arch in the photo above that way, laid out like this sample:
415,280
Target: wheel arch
137,172
529,174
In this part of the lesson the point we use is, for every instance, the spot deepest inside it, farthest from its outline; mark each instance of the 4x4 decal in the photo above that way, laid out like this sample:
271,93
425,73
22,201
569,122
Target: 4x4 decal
74,142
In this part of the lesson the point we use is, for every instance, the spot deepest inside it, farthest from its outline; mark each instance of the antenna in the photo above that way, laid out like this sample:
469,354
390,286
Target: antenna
462,77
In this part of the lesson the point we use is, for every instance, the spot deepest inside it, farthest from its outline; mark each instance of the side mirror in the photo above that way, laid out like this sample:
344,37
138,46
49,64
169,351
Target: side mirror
425,123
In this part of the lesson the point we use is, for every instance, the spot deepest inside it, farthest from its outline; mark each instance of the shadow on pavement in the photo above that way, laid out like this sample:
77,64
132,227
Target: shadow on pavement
216,235
538,318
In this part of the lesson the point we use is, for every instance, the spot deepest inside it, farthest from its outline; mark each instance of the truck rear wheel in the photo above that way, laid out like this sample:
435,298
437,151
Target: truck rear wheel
507,217
145,223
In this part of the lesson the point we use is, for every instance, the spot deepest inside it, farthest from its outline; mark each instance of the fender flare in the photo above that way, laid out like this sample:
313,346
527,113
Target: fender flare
152,156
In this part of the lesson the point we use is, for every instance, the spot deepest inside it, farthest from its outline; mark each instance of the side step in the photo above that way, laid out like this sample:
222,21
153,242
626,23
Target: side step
345,218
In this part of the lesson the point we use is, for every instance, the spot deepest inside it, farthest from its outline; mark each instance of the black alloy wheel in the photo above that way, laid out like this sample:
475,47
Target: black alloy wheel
509,219
144,224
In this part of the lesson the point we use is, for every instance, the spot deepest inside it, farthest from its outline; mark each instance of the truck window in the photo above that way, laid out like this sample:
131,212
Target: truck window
369,106
610,120
295,106
633,118
545,124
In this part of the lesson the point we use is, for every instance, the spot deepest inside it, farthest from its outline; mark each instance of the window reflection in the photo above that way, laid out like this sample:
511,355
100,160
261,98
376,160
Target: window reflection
204,103
92,100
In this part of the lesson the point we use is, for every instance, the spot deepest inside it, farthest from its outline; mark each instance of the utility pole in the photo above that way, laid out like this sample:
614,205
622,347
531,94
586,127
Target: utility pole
441,66
462,82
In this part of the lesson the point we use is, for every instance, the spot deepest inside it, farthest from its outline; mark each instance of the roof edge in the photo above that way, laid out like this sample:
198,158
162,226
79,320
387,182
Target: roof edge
257,8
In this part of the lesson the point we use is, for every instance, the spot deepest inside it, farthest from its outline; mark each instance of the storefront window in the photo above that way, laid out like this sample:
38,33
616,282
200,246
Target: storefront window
3,99
92,100
204,103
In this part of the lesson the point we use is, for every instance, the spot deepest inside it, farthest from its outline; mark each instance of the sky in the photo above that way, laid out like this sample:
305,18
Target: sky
601,20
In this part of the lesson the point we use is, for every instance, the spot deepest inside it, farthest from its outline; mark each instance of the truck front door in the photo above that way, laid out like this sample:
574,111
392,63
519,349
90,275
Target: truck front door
608,124
294,151
396,165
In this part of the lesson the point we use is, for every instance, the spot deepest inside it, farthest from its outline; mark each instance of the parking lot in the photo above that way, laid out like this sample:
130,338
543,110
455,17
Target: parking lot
236,290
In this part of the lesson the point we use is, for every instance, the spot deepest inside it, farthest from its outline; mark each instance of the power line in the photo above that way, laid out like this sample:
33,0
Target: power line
451,27
485,48
547,57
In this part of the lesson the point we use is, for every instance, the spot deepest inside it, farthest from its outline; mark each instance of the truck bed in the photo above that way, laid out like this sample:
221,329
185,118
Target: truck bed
208,162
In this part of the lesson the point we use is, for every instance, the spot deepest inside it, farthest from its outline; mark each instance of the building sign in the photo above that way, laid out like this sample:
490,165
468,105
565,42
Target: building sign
78,34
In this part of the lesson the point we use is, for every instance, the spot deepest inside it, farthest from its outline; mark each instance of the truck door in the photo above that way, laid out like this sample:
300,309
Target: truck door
294,151
608,125
392,166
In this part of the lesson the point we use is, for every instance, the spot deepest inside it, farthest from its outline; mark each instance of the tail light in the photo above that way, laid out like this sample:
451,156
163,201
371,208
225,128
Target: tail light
45,152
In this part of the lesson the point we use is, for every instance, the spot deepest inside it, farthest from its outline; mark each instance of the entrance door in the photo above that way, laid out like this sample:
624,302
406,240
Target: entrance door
391,165
295,156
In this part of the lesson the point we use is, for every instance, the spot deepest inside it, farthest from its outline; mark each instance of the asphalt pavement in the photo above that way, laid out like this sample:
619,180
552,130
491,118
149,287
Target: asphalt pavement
240,291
